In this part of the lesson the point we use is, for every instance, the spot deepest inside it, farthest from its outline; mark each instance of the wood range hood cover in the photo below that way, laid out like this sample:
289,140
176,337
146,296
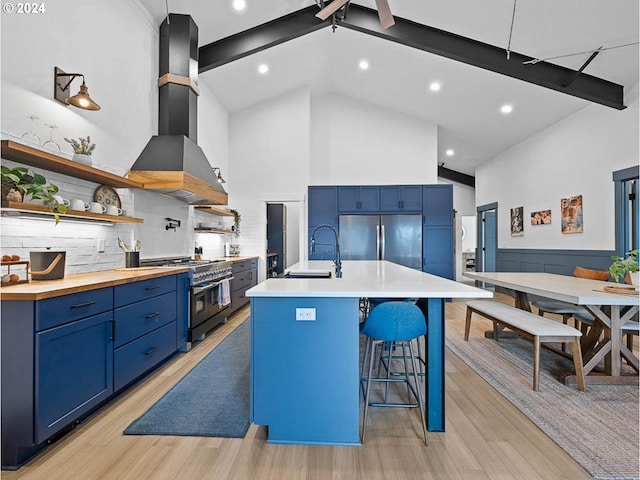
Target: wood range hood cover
172,163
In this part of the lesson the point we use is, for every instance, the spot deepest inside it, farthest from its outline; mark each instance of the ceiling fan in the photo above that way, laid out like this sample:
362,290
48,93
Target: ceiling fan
384,12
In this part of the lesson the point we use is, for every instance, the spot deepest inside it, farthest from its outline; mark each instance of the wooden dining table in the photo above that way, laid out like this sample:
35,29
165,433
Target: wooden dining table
611,311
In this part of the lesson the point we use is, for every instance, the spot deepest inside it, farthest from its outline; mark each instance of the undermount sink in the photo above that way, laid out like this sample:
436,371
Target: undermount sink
308,274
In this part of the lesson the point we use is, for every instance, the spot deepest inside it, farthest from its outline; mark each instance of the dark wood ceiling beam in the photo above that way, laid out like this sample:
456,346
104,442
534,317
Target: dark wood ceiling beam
455,176
259,38
489,57
423,37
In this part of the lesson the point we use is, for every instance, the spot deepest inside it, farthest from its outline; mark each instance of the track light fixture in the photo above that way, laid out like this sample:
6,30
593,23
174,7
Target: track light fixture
62,82
216,171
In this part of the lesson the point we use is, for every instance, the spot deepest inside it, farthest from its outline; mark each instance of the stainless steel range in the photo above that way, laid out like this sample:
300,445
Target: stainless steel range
210,298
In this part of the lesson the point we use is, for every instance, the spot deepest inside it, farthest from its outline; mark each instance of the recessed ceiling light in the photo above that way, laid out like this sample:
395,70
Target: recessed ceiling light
450,152
364,65
506,109
239,5
434,87
263,68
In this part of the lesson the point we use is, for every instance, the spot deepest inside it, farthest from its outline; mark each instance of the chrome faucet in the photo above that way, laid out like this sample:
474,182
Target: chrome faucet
336,260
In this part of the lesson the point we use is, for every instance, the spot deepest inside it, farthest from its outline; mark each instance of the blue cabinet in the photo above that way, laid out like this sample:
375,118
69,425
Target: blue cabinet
354,199
74,372
62,357
323,205
438,231
401,198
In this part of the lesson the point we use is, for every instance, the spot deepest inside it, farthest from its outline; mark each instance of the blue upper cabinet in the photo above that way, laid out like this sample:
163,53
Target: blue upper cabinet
401,198
353,199
323,206
437,204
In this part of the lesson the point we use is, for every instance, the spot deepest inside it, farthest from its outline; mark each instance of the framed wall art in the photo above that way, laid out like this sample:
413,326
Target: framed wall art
517,222
541,217
571,210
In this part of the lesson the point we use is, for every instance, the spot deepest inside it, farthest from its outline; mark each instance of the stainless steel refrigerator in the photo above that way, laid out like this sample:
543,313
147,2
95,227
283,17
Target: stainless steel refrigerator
396,238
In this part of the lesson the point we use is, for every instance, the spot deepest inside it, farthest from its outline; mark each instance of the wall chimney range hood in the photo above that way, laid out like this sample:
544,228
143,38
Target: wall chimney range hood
172,163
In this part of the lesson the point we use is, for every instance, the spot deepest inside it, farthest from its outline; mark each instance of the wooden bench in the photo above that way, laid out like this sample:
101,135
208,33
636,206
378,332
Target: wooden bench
533,327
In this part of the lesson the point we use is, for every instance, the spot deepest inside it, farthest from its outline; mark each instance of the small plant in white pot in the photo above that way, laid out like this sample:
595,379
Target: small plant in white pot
622,266
82,149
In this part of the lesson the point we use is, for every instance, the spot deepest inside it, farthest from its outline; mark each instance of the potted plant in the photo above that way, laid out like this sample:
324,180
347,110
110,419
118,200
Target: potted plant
236,220
18,183
82,149
621,266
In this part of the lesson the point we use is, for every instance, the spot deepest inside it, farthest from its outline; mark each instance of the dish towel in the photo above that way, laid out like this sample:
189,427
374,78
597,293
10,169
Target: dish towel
224,293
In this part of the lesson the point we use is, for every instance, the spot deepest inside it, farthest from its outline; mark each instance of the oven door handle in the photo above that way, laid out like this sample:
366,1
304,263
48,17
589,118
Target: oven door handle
208,286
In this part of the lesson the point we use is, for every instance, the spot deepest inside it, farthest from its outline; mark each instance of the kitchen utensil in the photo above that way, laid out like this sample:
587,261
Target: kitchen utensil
132,259
113,210
61,201
136,246
77,204
122,245
106,195
96,207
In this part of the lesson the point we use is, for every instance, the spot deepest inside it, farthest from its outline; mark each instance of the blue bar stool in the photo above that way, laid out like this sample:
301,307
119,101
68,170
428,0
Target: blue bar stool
398,323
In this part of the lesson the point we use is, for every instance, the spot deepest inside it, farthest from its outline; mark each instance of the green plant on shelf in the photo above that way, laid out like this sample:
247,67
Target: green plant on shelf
18,183
236,220
82,145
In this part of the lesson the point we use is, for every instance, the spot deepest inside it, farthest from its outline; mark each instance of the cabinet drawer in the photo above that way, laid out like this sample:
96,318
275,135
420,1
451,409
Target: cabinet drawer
238,267
53,312
239,298
243,280
140,318
134,292
137,357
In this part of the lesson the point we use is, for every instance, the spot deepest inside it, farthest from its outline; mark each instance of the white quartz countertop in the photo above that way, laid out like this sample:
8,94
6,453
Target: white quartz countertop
365,278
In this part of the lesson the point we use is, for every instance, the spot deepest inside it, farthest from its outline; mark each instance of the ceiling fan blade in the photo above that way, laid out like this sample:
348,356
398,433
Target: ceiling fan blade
384,12
330,9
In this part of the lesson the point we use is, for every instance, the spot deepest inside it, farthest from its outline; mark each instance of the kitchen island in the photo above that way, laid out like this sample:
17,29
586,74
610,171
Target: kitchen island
305,347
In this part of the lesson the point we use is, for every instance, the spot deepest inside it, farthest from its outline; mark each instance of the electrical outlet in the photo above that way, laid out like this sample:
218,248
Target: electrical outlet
306,314
101,245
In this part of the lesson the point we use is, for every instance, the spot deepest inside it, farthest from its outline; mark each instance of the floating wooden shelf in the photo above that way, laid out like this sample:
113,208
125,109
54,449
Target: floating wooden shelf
37,158
213,210
17,208
218,231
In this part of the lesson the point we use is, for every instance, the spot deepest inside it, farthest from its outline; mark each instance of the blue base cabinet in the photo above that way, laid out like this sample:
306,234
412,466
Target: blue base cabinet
305,375
63,357
74,372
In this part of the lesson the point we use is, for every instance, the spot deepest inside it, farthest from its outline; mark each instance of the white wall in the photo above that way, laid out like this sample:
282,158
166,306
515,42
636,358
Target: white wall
118,56
269,161
362,144
576,156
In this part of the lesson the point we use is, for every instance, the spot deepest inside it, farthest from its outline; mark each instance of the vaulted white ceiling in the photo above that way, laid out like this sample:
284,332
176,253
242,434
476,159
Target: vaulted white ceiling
466,108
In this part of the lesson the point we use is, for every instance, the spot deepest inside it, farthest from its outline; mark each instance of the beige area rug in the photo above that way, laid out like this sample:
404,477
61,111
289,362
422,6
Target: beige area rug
598,428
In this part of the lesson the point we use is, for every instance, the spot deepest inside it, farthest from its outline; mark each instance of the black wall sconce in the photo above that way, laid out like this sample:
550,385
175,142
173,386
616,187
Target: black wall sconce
62,82
173,223
216,172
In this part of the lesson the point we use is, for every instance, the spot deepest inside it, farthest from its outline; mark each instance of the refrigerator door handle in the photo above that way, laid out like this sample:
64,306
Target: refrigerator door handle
383,241
378,241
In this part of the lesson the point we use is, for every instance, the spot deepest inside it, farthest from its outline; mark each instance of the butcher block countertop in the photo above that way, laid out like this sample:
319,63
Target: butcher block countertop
82,282
236,259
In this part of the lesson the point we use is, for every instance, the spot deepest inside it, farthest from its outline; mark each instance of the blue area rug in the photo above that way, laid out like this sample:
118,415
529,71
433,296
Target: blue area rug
212,400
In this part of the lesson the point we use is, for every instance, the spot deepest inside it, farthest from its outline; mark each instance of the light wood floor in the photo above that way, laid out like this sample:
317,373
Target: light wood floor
485,438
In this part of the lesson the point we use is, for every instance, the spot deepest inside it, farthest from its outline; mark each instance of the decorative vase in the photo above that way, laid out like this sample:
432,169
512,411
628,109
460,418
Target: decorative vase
82,158
9,193
635,278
